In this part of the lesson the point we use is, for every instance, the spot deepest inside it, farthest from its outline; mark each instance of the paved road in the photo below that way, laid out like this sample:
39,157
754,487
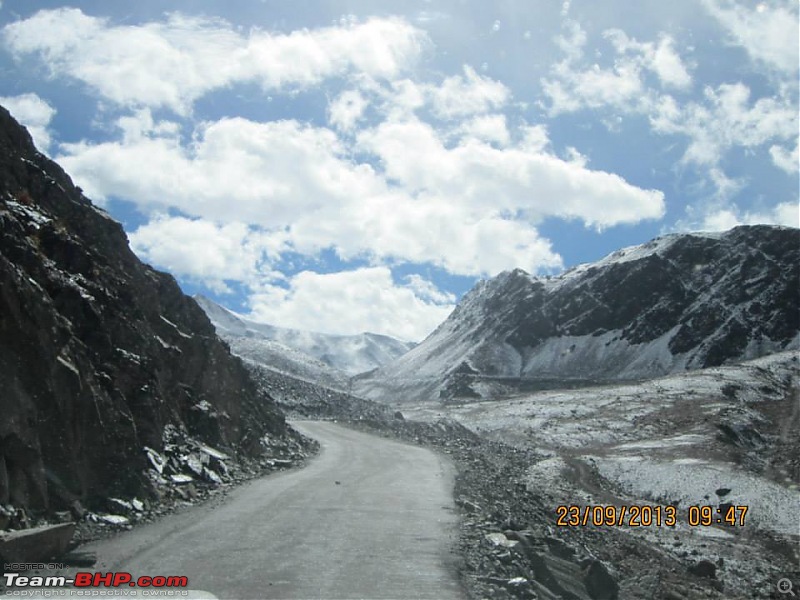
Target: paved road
384,531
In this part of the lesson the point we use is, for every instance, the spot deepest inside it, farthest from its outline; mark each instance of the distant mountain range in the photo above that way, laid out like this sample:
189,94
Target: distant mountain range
317,357
679,302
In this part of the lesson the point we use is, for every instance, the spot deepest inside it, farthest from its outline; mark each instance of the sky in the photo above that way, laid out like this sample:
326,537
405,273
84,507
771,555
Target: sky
352,165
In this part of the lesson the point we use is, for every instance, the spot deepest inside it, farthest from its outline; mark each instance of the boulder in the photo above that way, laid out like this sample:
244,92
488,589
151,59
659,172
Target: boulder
562,577
39,544
704,568
599,582
499,539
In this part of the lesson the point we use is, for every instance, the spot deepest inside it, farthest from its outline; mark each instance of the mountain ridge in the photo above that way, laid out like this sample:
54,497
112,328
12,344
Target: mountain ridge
679,302
333,357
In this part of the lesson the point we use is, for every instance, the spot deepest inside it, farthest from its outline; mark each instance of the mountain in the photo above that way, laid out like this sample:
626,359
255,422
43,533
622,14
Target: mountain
318,357
103,360
679,302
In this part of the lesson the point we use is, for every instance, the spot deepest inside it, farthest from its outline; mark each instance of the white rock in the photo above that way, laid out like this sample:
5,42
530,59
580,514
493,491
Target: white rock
498,539
181,478
156,459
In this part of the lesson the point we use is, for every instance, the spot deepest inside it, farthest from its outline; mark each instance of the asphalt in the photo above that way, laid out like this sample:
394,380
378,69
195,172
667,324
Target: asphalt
367,518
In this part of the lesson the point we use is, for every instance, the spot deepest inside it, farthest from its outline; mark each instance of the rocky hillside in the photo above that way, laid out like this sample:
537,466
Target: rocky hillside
305,399
309,355
100,355
680,302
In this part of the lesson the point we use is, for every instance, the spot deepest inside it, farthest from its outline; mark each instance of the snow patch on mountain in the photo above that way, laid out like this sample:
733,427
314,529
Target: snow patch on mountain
312,356
680,302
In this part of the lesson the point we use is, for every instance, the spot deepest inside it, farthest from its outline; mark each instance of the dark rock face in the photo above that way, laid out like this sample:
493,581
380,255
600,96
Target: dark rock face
98,352
720,293
677,303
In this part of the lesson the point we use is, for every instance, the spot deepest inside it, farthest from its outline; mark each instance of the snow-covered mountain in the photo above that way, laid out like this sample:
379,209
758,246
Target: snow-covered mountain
679,302
318,357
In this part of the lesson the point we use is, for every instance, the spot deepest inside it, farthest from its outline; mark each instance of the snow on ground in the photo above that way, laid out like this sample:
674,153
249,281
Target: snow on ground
668,442
655,441
37,218
618,414
770,506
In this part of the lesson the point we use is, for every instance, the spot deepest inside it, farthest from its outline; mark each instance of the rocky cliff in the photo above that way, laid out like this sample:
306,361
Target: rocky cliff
679,302
100,354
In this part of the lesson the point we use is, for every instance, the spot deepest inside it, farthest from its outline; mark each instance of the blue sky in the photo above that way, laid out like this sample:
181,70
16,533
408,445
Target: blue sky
352,165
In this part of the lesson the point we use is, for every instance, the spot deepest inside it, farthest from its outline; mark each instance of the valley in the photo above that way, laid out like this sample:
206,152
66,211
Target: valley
144,429
671,441
613,418
720,436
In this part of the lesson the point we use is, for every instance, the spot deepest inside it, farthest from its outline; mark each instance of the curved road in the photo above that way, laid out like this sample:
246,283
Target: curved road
385,530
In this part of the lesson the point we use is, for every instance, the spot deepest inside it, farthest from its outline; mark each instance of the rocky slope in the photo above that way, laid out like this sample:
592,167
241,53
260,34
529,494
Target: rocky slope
712,437
100,355
677,303
309,355
721,436
304,399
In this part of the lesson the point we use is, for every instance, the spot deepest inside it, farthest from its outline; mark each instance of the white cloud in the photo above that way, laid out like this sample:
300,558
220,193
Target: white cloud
141,125
768,32
575,157
455,98
202,250
721,220
469,94
347,109
573,39
518,178
365,299
785,158
174,62
726,187
427,290
667,64
787,214
571,90
487,128
431,16
401,98
35,114
534,138
234,169
471,208
573,86
725,120
362,299
722,215
661,58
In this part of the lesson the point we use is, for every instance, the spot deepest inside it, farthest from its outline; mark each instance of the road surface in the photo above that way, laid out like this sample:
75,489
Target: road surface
367,518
